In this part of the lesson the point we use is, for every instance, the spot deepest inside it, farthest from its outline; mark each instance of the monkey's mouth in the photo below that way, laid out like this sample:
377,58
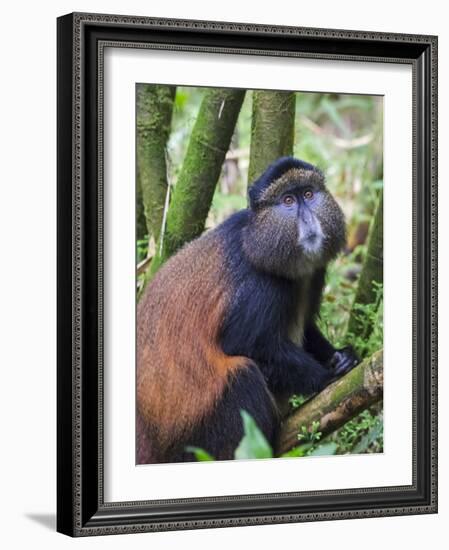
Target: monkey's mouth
310,236
311,242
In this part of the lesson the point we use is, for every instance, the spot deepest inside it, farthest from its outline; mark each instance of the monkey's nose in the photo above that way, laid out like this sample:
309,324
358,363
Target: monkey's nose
308,238
310,234
310,241
312,238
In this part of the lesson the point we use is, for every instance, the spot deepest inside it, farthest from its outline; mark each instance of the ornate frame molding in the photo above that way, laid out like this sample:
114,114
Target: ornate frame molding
81,41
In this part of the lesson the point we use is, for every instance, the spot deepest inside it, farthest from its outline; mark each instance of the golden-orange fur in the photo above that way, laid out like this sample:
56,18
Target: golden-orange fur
181,370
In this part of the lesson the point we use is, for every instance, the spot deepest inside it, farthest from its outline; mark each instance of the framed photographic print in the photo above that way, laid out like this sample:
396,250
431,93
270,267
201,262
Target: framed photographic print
246,274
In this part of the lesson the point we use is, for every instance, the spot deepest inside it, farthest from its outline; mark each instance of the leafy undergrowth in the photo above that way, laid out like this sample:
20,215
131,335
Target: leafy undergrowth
255,445
362,434
337,304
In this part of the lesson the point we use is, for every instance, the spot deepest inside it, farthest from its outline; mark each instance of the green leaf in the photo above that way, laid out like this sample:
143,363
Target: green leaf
296,451
297,400
325,449
200,454
253,443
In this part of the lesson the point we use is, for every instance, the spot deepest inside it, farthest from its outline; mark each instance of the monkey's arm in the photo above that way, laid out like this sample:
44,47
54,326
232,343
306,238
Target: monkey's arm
290,369
286,367
339,361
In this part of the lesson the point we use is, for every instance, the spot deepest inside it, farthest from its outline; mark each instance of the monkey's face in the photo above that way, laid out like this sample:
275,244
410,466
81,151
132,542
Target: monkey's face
296,226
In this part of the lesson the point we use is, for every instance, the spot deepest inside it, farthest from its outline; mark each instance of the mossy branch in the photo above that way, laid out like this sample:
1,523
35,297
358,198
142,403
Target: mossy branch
272,129
337,403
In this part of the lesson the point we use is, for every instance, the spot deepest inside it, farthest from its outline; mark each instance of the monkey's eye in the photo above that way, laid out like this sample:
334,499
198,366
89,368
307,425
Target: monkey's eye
289,200
308,194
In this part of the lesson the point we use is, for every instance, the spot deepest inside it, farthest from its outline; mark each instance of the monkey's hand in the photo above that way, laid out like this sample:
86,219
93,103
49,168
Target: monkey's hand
342,361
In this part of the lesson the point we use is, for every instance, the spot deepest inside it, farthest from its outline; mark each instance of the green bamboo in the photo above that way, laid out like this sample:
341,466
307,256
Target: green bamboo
154,114
272,129
141,223
194,190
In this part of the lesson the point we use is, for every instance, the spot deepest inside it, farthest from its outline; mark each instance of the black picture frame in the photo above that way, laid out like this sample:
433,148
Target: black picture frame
81,509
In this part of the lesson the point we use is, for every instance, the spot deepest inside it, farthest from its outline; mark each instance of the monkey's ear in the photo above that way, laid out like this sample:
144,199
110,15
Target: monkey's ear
253,196
256,188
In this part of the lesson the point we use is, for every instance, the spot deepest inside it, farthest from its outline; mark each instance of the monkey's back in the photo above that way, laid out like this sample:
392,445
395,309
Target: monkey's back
181,369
